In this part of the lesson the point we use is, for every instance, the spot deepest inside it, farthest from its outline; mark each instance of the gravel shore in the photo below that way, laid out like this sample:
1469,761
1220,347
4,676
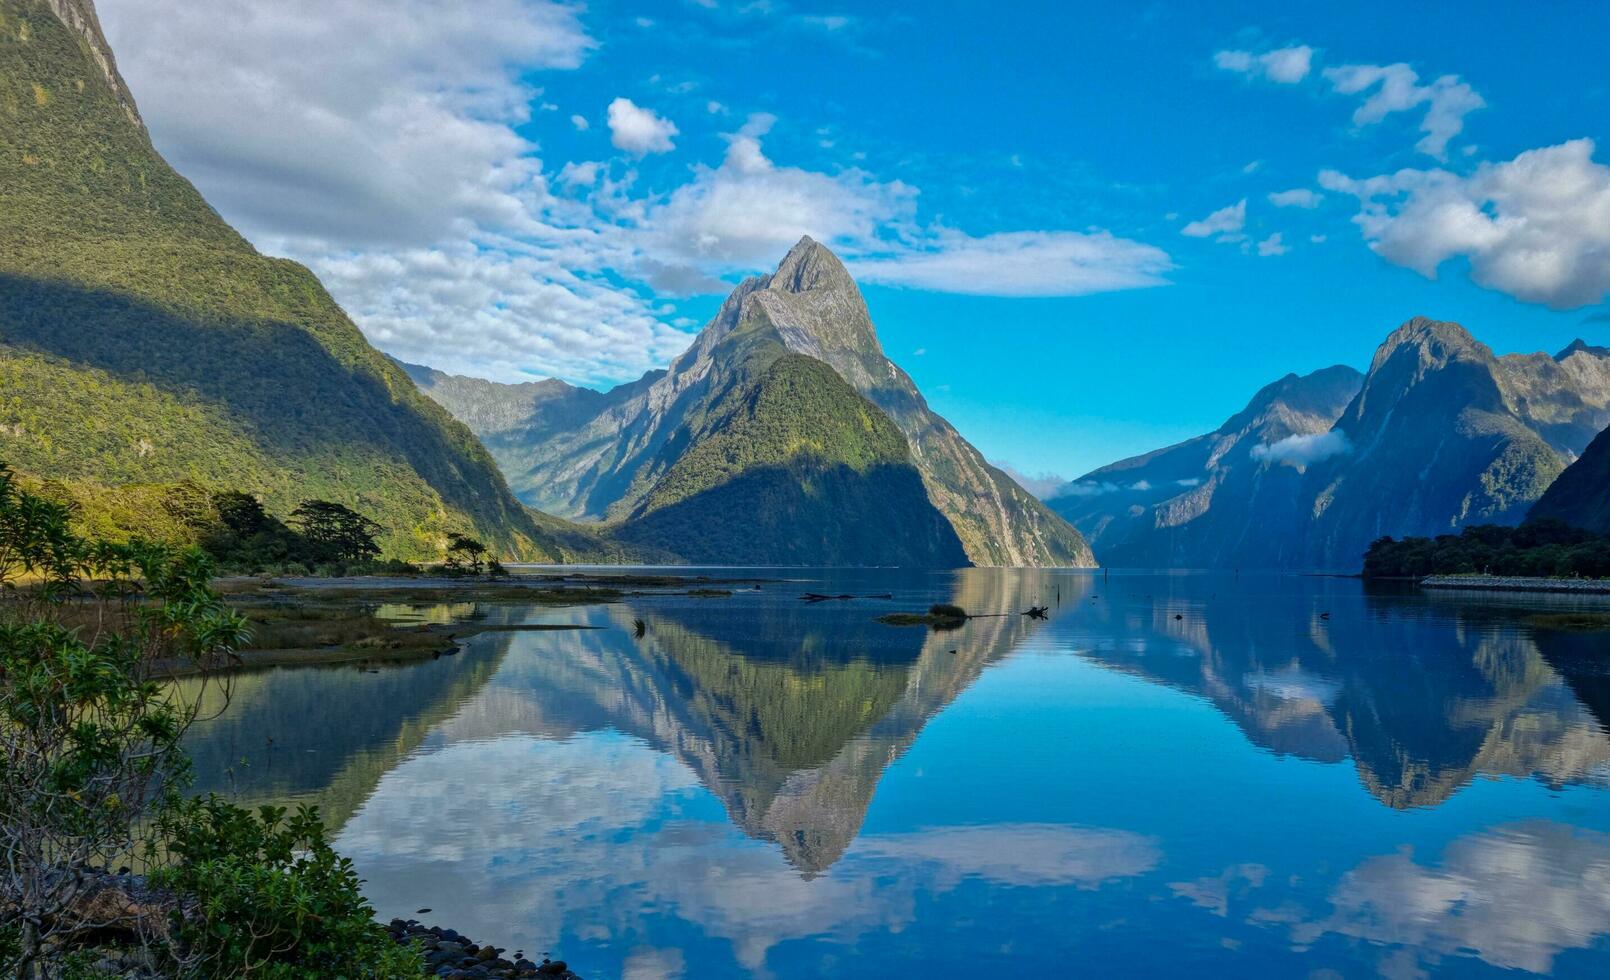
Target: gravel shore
1516,583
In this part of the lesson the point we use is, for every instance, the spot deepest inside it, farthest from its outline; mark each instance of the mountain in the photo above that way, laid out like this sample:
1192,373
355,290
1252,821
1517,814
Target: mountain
147,348
1581,495
788,381
1172,507
1439,434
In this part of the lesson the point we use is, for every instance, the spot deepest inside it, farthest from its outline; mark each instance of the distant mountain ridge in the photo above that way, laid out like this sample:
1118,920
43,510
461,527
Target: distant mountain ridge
636,440
1440,433
149,354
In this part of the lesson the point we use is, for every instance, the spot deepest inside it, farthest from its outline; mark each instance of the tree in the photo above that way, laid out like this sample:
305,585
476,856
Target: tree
89,735
465,556
339,533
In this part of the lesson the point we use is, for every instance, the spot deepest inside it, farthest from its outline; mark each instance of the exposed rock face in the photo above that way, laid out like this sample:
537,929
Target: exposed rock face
1440,434
607,467
80,16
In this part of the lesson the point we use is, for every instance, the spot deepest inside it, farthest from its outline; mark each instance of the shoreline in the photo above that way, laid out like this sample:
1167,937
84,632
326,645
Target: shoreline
311,621
1518,583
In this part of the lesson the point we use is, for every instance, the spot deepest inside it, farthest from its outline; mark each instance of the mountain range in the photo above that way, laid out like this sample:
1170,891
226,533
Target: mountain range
783,434
1438,434
149,355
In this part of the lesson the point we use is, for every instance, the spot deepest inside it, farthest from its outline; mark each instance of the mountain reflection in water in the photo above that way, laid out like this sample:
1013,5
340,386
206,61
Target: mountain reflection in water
760,786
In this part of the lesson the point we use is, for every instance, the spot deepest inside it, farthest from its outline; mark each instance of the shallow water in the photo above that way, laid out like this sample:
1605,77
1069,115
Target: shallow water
1250,775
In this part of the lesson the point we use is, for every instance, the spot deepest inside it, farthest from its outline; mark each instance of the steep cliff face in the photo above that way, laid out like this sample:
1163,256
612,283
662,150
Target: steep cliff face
610,466
1439,434
144,342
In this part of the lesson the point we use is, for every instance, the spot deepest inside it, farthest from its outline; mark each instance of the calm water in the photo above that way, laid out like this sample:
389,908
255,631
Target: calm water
1173,772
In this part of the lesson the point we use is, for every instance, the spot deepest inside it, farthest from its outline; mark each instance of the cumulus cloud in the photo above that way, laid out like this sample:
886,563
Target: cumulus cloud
638,130
1285,66
580,122
1304,450
1536,227
1397,88
1272,246
747,212
1516,897
1297,197
1226,223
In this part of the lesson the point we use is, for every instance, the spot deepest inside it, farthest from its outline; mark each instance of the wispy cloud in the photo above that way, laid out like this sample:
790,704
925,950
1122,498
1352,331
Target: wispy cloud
1397,88
1284,66
1226,223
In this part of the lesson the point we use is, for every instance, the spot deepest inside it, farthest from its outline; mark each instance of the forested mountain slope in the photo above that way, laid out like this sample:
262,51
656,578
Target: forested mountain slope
143,342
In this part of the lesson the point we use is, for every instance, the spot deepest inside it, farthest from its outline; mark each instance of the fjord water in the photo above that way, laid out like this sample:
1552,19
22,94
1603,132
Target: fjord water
1232,775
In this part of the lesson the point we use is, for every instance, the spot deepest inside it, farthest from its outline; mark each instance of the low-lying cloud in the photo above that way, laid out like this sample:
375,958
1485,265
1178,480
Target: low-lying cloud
1304,450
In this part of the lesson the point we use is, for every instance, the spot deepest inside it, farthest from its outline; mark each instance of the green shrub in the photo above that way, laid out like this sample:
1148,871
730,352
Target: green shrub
271,897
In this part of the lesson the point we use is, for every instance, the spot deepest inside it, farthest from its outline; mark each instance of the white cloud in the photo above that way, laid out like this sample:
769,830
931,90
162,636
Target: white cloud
1397,89
1536,227
1226,222
1272,246
580,173
398,170
1285,66
1027,263
580,122
291,129
638,130
1044,486
746,213
1304,450
493,314
1297,197
1516,897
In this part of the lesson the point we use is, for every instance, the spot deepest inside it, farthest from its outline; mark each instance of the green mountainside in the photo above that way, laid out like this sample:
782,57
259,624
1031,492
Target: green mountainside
813,447
1439,435
795,468
144,343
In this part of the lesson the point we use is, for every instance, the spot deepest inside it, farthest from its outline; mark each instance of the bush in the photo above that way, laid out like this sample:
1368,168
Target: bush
89,736
92,769
271,898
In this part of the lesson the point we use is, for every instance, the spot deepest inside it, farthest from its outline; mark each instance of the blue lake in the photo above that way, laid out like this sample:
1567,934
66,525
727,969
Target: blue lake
1231,775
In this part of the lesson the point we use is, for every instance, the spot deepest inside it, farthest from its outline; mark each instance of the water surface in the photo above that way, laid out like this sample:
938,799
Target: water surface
1240,776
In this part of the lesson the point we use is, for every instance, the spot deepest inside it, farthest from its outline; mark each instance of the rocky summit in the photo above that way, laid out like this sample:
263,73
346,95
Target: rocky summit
671,460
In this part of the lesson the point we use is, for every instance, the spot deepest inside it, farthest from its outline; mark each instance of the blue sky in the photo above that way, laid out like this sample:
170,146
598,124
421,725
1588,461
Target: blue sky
1043,200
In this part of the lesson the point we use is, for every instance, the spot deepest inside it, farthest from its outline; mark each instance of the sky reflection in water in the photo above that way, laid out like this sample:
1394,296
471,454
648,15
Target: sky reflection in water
1174,771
